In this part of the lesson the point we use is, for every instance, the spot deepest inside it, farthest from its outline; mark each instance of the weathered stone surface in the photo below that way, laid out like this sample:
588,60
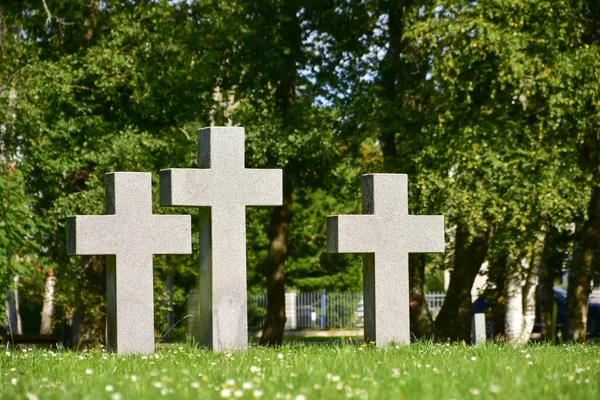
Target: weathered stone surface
222,187
130,235
478,330
385,233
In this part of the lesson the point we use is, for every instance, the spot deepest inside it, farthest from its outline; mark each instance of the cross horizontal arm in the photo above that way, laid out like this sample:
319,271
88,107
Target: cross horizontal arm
205,187
172,234
92,235
186,187
109,235
426,233
264,187
351,234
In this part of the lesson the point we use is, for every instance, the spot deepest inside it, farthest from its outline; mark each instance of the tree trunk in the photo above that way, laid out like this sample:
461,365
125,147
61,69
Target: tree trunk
48,307
546,296
529,302
454,319
497,274
581,271
390,72
279,226
272,333
88,326
88,330
546,299
421,323
13,317
531,283
514,302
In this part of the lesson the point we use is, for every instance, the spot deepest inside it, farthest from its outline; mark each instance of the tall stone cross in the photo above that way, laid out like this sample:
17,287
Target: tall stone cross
130,235
386,233
222,187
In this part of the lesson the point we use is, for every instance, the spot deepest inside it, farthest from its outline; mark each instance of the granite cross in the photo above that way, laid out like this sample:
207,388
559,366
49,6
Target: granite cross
386,234
130,235
222,187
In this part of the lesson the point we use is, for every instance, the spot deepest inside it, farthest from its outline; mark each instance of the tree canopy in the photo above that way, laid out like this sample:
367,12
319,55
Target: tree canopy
491,107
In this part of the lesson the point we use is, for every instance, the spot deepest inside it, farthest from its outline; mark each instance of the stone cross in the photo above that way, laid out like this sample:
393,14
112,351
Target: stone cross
478,331
386,233
130,235
222,187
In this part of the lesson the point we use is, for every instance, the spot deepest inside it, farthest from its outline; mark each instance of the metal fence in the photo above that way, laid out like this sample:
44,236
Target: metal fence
435,300
320,310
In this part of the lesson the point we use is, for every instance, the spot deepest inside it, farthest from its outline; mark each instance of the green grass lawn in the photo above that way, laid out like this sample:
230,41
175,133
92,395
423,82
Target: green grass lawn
421,371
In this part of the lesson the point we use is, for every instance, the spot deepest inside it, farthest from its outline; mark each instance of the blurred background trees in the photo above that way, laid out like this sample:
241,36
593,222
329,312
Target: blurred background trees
491,107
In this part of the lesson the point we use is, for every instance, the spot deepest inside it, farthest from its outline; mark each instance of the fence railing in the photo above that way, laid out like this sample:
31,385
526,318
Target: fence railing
313,310
321,310
435,300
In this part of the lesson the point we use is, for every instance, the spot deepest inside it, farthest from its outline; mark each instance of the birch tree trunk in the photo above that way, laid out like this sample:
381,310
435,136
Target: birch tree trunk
48,307
514,302
528,296
530,288
13,317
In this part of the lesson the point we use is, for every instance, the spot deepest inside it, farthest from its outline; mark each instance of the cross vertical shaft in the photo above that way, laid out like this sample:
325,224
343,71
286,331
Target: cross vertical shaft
223,291
130,303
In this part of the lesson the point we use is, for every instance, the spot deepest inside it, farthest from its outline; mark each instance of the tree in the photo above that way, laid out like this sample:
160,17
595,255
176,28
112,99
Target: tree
578,72
387,100
270,69
99,86
500,122
19,251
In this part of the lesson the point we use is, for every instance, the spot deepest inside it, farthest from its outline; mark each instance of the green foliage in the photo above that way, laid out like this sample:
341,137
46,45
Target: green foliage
16,217
272,74
88,88
505,139
96,88
19,229
492,108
